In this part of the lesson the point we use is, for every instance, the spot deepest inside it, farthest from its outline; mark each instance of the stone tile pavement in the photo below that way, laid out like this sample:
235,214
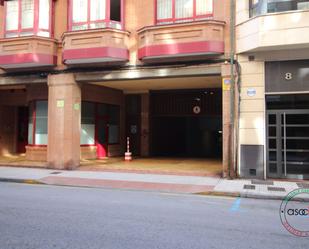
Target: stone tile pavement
154,182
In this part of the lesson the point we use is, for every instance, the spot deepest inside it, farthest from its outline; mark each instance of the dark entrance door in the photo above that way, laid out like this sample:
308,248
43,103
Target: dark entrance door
133,122
22,129
186,123
288,143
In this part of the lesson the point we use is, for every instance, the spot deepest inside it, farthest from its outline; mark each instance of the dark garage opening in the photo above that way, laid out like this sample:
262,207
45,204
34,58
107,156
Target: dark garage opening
187,123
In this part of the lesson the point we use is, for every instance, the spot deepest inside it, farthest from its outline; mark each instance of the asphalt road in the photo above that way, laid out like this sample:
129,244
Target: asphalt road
39,217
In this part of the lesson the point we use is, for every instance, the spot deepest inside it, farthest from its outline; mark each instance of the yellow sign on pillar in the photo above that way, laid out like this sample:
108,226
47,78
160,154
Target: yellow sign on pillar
226,84
60,103
76,106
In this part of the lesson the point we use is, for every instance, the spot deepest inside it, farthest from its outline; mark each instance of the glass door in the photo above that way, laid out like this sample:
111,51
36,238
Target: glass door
288,144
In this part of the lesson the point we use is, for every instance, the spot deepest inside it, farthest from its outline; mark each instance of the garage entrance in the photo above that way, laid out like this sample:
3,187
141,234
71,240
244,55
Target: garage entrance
186,123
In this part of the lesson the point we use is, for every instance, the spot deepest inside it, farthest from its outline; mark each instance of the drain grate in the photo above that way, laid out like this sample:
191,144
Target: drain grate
55,173
247,186
303,185
261,182
277,189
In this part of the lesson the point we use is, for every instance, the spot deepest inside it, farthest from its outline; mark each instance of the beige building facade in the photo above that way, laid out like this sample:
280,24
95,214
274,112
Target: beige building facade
272,41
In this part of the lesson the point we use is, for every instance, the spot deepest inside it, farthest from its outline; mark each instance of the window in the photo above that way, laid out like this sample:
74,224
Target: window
93,14
37,127
87,136
93,116
171,11
260,7
28,17
113,124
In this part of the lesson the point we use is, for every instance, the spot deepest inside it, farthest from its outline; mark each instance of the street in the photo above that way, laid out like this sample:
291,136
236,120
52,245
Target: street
40,217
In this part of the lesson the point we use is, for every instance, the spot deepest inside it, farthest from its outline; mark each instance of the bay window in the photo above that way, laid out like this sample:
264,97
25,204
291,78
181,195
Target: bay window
94,14
28,17
37,126
260,7
171,11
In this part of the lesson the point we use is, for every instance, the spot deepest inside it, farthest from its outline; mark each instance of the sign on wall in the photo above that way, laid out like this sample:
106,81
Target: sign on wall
226,84
287,76
251,92
196,109
60,103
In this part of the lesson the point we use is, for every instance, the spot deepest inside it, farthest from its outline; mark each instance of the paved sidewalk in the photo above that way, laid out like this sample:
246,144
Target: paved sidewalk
154,182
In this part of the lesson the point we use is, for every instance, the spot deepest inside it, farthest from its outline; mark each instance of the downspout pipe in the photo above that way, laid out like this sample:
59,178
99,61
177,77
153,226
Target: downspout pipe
232,89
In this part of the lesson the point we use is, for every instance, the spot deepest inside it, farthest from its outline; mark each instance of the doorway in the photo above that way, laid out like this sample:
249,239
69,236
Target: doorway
186,123
22,128
133,122
187,136
288,143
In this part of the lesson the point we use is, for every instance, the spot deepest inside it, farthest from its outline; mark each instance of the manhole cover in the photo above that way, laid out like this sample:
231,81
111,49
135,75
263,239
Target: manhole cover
249,187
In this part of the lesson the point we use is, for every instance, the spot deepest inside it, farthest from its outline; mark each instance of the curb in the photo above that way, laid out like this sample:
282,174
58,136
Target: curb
208,193
25,181
217,193
252,196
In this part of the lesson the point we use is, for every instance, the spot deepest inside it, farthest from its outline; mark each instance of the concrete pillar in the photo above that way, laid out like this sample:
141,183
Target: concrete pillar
145,124
229,167
64,111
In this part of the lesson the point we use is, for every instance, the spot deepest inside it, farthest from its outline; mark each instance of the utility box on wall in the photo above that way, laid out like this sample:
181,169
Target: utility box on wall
252,161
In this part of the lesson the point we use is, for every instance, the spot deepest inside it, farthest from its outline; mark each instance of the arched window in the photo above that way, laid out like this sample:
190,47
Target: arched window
28,17
93,14
172,11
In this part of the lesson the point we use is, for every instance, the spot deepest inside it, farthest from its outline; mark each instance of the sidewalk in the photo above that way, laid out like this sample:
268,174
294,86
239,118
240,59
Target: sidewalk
153,182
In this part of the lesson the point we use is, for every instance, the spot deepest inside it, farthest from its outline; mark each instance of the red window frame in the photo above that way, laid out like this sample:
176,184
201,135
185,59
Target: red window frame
173,19
35,28
107,19
97,117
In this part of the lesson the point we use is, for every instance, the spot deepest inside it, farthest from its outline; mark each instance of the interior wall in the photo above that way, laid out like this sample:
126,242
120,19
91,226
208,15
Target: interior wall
10,100
8,129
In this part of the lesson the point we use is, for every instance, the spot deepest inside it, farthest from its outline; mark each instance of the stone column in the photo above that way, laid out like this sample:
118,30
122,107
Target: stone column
145,124
64,113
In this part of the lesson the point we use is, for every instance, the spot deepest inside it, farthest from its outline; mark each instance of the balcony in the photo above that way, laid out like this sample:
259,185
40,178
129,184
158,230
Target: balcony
27,53
279,31
181,41
93,47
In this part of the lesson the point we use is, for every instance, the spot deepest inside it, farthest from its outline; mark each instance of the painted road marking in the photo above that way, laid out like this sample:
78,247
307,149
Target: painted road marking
236,205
